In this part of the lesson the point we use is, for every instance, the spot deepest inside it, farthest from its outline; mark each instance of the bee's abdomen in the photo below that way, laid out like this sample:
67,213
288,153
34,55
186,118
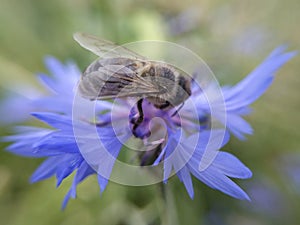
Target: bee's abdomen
167,74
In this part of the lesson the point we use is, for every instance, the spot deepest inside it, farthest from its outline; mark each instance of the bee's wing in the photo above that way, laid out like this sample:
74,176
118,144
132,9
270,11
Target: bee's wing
114,81
104,48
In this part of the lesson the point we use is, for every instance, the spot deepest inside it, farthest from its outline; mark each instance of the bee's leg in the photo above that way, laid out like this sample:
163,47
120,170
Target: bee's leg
102,124
141,114
177,110
165,105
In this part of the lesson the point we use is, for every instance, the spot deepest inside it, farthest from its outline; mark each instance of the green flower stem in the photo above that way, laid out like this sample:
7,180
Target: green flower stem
167,206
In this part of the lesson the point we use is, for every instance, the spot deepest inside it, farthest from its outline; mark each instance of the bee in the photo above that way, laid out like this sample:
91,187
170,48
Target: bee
120,72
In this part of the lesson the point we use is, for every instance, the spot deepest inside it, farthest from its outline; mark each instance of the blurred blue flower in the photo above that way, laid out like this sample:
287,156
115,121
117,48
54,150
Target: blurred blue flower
267,198
89,142
260,36
289,166
184,22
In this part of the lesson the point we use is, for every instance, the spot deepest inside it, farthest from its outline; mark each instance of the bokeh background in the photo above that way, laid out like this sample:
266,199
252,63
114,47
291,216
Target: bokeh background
231,36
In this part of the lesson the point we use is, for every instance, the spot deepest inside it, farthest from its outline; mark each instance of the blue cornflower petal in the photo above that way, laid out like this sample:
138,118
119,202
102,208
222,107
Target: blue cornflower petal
55,120
62,166
60,99
240,96
84,170
49,83
108,139
168,150
185,160
45,170
216,180
215,175
55,67
23,141
185,177
238,126
68,164
65,76
256,83
65,151
231,166
108,149
16,103
48,144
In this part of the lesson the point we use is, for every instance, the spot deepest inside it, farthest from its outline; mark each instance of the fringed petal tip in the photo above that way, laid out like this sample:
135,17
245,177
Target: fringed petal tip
71,194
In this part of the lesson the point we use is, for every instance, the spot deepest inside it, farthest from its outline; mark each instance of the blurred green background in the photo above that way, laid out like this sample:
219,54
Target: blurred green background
231,36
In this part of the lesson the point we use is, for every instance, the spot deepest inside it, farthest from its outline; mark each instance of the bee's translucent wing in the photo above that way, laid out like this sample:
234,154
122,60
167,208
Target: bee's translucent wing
103,48
114,81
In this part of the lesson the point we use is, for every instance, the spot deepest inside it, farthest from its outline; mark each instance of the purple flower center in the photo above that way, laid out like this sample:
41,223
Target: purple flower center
142,130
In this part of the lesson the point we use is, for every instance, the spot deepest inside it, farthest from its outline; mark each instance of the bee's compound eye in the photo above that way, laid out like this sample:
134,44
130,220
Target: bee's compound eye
185,85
